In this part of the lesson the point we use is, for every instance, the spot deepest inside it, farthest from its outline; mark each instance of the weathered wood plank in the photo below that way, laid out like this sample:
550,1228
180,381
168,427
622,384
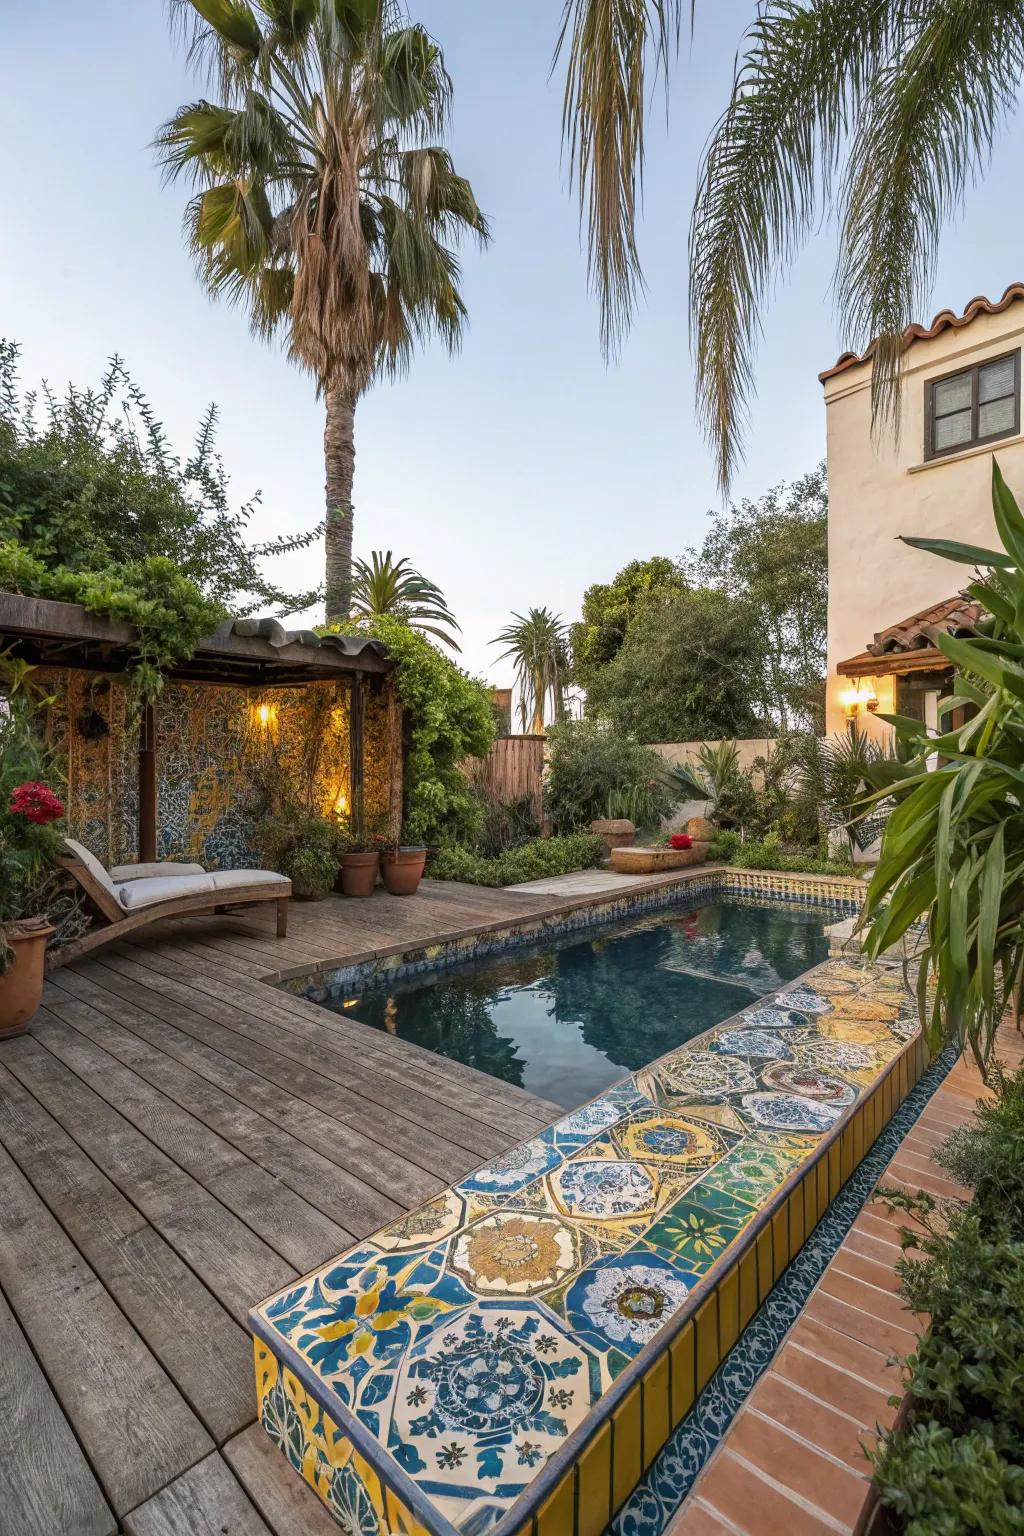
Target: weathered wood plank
285,1221
229,1258
287,1504
367,1163
46,1485
200,1347
206,1501
133,1423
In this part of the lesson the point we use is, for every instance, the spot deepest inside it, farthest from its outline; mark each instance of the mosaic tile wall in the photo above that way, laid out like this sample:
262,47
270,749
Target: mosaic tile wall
511,1358
209,742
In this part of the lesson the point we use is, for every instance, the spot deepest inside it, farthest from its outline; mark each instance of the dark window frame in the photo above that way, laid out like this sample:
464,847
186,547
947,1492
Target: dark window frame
975,440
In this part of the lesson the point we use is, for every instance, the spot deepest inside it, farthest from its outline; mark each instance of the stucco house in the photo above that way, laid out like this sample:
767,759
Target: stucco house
960,405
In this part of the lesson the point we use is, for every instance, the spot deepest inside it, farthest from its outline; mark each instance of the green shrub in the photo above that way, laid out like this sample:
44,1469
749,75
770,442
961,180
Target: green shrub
958,1465
936,1483
305,849
540,857
505,825
591,765
729,848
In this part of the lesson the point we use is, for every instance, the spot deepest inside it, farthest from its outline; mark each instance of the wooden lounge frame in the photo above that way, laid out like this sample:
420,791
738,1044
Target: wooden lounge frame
120,922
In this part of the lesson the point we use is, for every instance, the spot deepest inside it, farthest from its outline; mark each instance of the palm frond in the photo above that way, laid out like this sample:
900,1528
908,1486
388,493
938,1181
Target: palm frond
384,585
925,134
610,45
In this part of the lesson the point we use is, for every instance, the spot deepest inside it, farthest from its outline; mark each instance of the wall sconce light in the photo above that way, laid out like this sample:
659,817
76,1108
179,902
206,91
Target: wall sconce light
341,804
854,700
264,714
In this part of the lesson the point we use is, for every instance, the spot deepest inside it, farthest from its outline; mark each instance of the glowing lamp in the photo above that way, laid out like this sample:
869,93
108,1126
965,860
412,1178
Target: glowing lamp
854,700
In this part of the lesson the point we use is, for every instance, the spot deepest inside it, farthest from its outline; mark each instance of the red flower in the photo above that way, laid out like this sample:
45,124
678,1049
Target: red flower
680,840
36,803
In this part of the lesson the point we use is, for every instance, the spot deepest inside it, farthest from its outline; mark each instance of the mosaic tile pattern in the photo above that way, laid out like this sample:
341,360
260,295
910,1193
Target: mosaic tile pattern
460,1348
660,1493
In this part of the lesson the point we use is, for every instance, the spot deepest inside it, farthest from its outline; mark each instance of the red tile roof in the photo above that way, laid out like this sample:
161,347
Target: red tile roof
944,320
912,637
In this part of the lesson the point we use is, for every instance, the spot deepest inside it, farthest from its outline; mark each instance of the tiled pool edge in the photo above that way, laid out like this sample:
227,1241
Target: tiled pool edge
616,1446
400,962
662,1492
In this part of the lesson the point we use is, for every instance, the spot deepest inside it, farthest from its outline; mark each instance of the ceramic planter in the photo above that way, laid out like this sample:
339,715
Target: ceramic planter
402,870
359,873
21,985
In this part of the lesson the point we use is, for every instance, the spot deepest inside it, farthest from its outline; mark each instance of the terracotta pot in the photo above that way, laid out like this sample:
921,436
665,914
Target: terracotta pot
21,985
402,870
616,833
359,873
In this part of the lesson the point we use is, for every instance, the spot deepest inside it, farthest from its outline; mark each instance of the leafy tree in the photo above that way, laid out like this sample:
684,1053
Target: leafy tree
609,608
387,585
90,481
685,671
322,205
773,553
537,642
588,763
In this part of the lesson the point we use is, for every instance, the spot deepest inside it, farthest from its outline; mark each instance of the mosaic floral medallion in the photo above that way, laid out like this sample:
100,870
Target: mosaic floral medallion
604,1187
853,1031
663,1138
515,1254
697,1234
789,1111
864,1009
625,1300
593,1118
754,1169
809,1083
776,1018
513,1170
481,1406
751,1042
703,1074
838,1055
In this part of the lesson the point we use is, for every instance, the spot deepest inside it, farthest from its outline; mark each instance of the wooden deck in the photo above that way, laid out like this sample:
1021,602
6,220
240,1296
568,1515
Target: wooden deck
177,1140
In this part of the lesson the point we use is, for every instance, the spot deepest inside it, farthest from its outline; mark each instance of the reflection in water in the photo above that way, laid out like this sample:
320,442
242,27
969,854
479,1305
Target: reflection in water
567,1019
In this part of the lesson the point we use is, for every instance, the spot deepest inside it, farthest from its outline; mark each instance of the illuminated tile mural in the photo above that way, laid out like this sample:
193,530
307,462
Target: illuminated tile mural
213,744
470,1355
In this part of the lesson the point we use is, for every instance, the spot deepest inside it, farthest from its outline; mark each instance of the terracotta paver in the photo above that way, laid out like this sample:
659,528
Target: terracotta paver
792,1462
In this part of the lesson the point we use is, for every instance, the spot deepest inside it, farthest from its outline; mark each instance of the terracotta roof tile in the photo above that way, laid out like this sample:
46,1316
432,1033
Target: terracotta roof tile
956,615
944,320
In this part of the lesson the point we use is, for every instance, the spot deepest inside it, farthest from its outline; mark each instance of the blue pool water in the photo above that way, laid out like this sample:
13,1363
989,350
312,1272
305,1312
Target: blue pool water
567,1018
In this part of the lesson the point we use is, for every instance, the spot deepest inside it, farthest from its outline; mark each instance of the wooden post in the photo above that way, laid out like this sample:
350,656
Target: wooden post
355,748
395,764
147,785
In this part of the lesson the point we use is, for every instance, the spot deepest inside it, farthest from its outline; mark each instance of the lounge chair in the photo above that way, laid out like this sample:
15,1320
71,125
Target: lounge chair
131,895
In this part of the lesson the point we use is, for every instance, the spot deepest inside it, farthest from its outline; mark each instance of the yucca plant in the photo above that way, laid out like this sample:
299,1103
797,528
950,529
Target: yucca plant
953,848
712,775
538,643
386,585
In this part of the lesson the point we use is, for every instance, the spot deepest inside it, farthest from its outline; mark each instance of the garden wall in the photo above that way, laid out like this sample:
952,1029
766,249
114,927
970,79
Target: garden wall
212,744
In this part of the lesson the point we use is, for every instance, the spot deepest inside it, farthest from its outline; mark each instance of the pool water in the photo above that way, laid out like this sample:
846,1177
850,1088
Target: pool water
567,1018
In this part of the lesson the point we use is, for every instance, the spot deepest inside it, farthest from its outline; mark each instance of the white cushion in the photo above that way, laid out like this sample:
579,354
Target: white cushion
92,864
122,872
229,879
133,894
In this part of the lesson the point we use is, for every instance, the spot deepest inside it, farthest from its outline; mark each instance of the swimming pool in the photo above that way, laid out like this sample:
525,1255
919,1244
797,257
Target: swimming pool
566,1018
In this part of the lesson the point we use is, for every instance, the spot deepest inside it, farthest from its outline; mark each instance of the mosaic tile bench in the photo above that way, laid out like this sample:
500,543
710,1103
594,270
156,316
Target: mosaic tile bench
511,1358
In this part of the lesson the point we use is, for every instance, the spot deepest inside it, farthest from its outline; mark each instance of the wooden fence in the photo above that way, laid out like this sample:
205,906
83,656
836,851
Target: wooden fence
512,768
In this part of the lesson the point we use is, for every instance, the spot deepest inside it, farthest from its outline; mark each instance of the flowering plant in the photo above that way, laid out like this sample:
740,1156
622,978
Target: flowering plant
36,802
30,812
680,840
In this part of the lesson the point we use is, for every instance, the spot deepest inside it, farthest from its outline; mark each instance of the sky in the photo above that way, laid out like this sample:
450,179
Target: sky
515,474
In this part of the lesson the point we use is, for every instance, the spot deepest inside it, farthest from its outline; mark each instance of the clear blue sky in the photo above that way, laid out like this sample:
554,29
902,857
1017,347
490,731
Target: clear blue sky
522,470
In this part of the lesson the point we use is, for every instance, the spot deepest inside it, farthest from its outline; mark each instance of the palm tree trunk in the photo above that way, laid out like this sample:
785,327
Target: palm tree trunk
340,463
537,723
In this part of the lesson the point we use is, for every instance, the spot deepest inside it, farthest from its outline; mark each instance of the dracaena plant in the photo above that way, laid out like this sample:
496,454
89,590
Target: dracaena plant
953,849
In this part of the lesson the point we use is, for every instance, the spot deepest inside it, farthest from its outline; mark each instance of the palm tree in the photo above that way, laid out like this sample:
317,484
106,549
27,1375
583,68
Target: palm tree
390,586
894,105
322,204
538,644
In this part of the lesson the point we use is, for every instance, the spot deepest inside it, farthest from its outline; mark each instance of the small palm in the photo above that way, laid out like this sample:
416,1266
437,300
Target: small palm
537,642
385,585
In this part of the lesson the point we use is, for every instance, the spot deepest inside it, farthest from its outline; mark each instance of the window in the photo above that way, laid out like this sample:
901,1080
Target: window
976,405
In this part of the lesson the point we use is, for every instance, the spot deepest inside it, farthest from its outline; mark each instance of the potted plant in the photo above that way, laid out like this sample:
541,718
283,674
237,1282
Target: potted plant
359,858
401,867
303,847
30,840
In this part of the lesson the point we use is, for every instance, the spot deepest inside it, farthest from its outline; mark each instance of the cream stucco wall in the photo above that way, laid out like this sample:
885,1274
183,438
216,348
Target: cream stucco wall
877,491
